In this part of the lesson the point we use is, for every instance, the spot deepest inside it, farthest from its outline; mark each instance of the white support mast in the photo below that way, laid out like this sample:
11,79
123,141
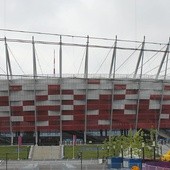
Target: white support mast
9,78
35,78
113,62
86,89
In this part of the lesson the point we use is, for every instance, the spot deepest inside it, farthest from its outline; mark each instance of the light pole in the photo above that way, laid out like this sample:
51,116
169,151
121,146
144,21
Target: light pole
153,150
97,152
143,150
81,157
114,150
6,161
122,150
130,151
108,150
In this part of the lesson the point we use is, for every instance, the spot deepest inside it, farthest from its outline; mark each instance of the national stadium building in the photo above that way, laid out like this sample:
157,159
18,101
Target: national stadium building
51,109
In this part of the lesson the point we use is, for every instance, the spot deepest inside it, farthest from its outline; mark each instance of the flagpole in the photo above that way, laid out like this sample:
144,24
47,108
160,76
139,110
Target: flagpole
73,150
74,140
18,151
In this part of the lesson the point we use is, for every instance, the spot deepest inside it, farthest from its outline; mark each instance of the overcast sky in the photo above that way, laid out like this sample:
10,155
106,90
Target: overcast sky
128,19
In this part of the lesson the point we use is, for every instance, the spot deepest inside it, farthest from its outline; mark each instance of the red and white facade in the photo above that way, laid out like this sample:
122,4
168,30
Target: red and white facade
85,107
78,104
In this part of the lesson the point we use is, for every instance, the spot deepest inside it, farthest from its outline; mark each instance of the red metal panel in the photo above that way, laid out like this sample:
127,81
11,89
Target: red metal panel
67,102
92,117
120,86
104,116
23,128
131,106
29,118
92,106
166,97
106,127
15,88
119,97
53,89
42,118
28,113
4,129
79,117
119,111
105,97
4,103
42,113
17,113
93,81
166,107
28,103
93,127
54,118
4,98
167,87
16,108
131,91
48,128
105,106
68,112
79,107
155,97
52,108
79,97
42,97
67,91
91,102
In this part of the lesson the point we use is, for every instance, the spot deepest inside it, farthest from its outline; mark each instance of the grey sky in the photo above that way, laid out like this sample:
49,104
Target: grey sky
128,19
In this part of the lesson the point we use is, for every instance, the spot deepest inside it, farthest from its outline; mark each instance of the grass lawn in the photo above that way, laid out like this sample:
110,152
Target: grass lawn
90,151
11,152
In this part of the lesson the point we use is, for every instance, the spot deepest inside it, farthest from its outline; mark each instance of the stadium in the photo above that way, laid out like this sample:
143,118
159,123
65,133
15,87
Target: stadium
54,108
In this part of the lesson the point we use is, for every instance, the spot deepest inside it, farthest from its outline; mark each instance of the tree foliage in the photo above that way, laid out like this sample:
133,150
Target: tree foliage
115,145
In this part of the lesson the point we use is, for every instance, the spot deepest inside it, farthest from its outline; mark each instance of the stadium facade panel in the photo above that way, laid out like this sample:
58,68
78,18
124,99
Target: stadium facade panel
72,105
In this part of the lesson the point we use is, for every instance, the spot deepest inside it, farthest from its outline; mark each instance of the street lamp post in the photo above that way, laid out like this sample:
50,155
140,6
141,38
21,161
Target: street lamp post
122,150
153,150
108,150
114,150
97,152
81,157
130,151
143,150
6,161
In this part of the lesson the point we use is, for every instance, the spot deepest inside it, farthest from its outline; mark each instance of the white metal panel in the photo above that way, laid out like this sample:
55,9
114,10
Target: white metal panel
53,97
92,112
164,116
42,123
129,112
17,118
67,107
131,96
79,102
4,114
154,104
28,108
67,117
118,104
4,108
103,122
67,97
53,113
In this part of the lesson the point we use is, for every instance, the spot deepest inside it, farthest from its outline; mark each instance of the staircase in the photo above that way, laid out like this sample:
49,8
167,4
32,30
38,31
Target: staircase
46,153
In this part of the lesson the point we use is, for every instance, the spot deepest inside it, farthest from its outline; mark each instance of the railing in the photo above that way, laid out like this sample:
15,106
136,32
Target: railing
95,76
